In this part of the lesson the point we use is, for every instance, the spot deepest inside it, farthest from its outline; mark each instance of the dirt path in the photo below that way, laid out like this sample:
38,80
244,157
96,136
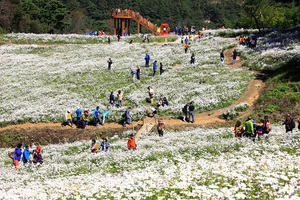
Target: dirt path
66,133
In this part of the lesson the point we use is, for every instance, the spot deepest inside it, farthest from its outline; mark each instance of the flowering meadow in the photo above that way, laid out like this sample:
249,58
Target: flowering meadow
190,164
45,75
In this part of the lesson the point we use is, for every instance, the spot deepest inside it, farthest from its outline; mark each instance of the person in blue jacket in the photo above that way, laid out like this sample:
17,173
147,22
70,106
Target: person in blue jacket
105,145
97,112
78,116
154,67
147,59
26,155
17,156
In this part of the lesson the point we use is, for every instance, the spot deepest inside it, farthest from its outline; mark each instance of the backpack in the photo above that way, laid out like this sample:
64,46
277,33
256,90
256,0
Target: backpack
133,71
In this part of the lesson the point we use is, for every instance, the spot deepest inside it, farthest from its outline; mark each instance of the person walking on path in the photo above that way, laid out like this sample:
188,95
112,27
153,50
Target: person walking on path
68,118
78,116
147,60
160,128
17,156
234,56
154,67
109,63
131,144
133,73
120,98
127,117
191,112
97,113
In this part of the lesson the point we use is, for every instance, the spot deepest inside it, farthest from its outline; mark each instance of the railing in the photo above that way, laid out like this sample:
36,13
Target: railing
127,13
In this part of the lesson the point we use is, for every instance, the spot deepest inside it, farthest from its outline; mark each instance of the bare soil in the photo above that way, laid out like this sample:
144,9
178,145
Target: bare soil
45,133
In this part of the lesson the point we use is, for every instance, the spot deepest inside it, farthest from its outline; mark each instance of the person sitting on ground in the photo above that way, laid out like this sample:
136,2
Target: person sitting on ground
69,118
160,128
37,155
238,130
26,155
94,146
131,144
160,102
165,101
152,112
105,145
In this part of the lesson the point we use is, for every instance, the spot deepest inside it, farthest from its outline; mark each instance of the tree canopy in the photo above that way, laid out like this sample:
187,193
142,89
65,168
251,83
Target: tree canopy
79,16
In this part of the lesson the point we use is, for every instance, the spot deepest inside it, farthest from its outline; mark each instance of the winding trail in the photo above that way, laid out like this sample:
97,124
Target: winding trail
205,119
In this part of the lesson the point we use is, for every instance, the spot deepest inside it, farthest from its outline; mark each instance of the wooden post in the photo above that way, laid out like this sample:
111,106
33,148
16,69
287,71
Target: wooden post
139,28
123,26
115,27
129,26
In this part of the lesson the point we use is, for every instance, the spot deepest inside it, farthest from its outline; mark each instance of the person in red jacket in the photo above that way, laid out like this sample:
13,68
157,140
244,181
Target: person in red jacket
131,143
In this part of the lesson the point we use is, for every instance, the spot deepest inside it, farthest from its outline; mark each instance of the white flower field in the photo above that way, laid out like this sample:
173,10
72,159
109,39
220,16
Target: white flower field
190,164
43,81
45,75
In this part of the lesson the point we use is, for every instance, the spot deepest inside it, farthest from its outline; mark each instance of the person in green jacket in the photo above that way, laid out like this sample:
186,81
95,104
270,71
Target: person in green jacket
249,130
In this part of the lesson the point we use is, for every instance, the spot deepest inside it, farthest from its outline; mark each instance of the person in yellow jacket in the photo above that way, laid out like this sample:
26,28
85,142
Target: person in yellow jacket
69,118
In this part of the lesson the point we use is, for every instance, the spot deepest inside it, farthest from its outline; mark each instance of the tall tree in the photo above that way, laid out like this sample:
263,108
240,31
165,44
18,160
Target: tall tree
257,10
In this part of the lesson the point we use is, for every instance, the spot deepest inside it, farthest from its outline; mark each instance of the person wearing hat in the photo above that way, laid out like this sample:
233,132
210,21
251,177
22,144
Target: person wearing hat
37,155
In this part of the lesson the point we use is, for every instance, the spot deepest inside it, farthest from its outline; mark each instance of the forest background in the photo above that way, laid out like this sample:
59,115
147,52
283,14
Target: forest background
81,16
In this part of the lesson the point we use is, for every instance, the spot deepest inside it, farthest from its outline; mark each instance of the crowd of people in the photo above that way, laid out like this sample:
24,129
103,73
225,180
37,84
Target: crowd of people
261,129
29,155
